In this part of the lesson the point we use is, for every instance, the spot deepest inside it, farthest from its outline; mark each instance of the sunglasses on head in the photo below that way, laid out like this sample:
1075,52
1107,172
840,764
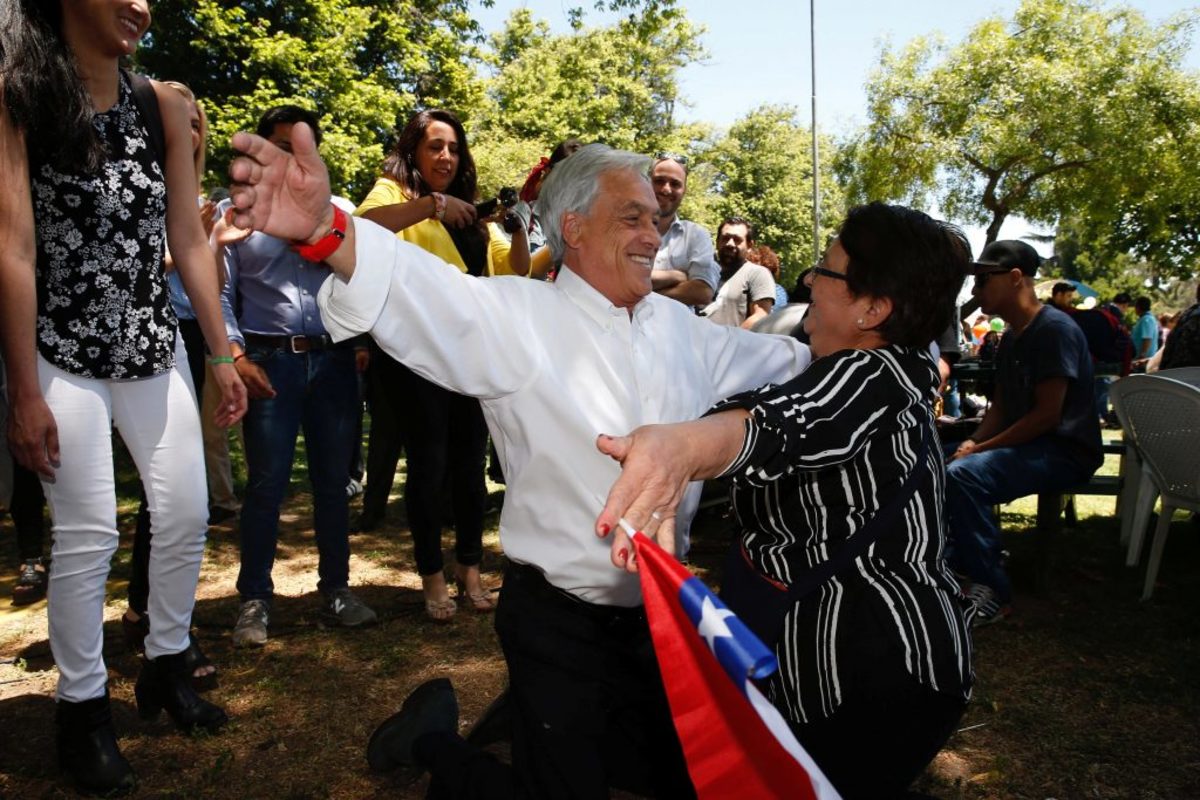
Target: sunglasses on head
678,159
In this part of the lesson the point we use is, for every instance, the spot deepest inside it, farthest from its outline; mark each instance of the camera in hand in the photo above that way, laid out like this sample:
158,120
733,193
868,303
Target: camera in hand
507,198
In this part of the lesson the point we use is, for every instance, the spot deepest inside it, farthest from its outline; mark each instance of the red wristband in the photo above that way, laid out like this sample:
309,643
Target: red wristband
324,247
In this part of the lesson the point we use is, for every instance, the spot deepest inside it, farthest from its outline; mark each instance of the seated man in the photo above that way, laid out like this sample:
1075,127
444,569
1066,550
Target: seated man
1040,433
747,291
554,364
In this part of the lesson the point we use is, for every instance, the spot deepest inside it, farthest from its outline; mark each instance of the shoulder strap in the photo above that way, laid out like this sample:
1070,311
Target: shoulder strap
860,542
147,103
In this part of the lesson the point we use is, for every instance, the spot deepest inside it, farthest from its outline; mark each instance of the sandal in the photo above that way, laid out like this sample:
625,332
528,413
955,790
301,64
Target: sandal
481,602
193,657
440,610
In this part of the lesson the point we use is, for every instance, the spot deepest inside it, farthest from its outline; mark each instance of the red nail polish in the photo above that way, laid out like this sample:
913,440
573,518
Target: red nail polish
604,529
623,554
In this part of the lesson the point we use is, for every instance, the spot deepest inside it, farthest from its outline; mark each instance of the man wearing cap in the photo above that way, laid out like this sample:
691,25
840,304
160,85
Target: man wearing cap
1040,433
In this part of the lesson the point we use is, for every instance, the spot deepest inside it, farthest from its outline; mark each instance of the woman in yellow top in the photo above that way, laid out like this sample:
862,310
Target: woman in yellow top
426,195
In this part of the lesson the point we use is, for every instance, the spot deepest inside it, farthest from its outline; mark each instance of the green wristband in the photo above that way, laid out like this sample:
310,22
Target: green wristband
214,360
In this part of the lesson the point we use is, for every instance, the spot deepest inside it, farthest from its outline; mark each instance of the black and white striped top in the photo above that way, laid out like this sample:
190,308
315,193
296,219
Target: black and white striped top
822,453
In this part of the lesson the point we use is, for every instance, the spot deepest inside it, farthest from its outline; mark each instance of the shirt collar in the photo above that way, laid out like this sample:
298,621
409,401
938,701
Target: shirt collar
594,304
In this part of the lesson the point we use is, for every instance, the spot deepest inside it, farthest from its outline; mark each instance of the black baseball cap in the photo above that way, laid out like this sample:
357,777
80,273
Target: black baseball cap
1008,254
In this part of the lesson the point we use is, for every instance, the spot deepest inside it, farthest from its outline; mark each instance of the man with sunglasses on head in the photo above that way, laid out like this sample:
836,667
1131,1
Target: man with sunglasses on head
1039,435
684,268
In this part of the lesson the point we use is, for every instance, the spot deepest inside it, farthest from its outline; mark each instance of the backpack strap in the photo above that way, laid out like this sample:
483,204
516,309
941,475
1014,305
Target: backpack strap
147,103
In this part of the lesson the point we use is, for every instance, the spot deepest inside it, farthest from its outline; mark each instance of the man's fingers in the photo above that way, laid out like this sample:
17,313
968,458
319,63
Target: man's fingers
304,145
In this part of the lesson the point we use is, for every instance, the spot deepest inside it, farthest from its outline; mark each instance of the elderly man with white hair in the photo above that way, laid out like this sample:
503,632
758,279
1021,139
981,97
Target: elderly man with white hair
553,365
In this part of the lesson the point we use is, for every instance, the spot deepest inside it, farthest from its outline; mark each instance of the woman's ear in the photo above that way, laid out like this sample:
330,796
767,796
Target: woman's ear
877,312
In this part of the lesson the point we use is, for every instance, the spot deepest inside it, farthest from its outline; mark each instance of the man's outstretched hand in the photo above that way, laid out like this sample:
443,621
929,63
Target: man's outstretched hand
281,194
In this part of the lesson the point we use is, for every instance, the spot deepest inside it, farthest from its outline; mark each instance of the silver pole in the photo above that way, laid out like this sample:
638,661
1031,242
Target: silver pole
816,193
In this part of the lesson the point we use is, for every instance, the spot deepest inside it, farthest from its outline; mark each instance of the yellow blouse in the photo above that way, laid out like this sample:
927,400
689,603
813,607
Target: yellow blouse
431,235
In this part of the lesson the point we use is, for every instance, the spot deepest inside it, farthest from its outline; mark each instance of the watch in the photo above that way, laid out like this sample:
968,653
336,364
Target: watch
324,247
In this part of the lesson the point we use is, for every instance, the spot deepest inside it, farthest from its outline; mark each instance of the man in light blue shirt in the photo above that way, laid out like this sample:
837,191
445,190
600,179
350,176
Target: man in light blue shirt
684,268
1145,331
296,376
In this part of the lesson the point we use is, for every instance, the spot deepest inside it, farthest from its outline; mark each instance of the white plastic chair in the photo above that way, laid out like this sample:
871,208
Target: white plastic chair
1160,413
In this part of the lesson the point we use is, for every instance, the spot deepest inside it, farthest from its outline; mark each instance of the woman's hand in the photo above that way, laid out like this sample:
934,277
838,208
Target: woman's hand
33,435
657,463
233,395
655,471
459,213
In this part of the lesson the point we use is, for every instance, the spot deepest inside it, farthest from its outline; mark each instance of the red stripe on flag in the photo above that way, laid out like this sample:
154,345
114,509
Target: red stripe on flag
729,751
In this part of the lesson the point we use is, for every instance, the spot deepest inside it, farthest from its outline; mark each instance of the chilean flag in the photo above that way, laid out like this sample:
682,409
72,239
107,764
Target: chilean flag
736,743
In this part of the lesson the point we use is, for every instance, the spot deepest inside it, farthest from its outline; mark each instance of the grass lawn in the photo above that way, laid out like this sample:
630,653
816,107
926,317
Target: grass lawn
1083,693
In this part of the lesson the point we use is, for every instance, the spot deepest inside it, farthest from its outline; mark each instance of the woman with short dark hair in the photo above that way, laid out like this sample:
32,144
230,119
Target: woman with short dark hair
838,487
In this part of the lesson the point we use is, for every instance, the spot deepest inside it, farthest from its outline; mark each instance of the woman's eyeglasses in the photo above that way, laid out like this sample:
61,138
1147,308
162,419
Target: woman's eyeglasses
828,273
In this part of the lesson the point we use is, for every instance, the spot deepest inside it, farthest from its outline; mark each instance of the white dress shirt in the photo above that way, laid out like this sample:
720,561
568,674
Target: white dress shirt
554,365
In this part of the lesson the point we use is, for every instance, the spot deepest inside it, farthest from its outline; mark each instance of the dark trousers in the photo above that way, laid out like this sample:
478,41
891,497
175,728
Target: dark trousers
446,438
28,511
880,739
386,398
139,567
587,706
315,391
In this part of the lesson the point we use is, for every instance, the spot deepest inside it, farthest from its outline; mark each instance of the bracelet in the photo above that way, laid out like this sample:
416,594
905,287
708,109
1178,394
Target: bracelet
238,357
214,360
324,247
439,205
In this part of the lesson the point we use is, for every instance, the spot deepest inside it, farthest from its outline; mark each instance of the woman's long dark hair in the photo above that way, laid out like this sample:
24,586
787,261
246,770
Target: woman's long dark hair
43,92
401,163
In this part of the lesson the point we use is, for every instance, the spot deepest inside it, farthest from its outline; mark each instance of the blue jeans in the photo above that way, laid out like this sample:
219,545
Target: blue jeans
978,482
317,391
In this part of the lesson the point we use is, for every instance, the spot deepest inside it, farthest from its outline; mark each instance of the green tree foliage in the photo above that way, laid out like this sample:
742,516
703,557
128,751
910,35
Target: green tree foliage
363,65
762,170
1070,107
616,84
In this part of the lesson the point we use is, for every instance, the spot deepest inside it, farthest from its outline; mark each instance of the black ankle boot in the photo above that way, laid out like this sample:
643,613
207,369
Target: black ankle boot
87,748
166,683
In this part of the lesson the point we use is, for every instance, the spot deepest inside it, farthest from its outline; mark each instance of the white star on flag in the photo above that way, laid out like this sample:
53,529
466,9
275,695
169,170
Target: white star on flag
712,622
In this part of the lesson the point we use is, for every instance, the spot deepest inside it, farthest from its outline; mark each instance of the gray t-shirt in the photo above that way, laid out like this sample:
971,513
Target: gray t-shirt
749,284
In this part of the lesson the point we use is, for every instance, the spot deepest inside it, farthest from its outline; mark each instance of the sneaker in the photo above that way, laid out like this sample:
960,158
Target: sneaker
31,582
345,609
986,605
354,488
252,621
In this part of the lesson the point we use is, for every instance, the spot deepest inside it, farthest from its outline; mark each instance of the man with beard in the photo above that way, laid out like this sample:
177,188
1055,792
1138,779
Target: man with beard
747,291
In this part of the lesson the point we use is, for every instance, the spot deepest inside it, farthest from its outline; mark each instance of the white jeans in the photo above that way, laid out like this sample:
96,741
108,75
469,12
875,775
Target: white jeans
158,421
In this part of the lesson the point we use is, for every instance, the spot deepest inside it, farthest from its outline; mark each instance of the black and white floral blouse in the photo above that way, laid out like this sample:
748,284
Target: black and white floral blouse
103,308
